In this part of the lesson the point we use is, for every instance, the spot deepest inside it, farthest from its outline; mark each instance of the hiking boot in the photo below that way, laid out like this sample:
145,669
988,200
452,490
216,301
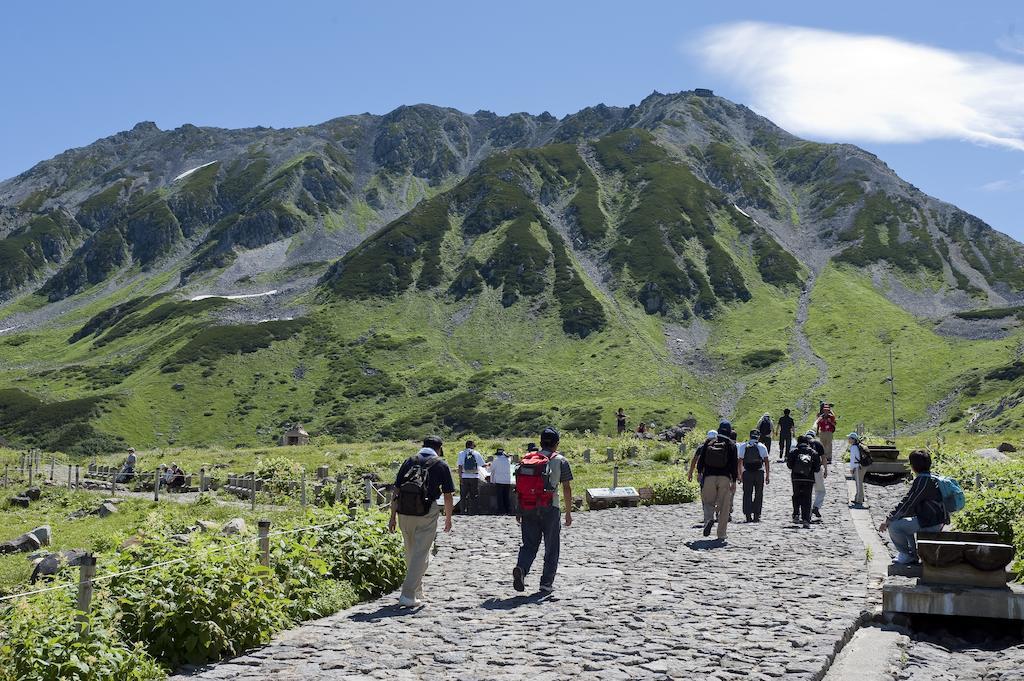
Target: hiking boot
517,579
547,588
757,518
707,528
406,602
796,519
816,512
750,518
807,526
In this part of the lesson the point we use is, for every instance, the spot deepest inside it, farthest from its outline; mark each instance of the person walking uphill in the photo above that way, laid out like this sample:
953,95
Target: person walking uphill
785,428
720,468
538,479
804,462
819,477
420,482
921,510
470,463
825,428
765,428
753,459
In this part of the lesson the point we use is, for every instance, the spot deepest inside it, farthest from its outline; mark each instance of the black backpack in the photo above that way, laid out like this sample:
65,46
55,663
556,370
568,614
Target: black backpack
469,465
716,455
803,463
765,426
412,491
752,456
865,455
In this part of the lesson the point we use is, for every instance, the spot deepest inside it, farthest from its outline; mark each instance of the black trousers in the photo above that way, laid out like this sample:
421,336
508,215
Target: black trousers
504,498
470,493
766,440
802,491
785,444
753,492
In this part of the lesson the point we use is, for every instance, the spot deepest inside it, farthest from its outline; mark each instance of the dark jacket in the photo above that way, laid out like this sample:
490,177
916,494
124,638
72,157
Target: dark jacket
815,462
922,501
731,461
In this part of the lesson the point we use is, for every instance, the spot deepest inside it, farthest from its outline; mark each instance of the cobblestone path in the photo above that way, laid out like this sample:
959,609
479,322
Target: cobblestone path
640,595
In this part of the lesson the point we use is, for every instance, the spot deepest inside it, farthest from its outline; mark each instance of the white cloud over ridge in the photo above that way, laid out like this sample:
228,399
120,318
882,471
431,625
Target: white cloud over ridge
849,87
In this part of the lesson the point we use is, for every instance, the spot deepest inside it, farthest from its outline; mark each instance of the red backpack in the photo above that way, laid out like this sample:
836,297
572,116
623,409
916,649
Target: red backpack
533,484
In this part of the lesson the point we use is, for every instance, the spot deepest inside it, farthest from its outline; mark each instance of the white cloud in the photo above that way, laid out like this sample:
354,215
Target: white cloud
1012,185
849,87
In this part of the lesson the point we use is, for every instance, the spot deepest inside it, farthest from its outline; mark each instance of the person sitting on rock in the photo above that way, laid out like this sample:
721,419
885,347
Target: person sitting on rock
803,462
177,478
921,510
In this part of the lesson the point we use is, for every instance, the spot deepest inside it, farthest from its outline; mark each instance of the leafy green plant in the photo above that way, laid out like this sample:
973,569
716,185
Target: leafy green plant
677,490
43,641
992,510
363,552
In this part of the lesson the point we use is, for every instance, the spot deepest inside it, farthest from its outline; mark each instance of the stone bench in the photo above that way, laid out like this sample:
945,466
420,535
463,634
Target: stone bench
967,558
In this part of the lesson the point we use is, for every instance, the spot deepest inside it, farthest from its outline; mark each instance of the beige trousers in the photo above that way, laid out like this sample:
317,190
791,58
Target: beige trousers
858,476
717,494
418,533
826,442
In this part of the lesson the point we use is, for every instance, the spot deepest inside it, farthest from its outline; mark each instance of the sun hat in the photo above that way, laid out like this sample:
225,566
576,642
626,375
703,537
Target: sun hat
712,434
853,436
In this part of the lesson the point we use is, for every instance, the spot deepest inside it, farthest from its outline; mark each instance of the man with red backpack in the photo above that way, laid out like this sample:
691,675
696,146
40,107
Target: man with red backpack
538,479
420,482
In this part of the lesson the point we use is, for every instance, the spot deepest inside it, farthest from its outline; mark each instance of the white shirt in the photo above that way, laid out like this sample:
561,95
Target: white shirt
742,447
501,470
480,463
854,457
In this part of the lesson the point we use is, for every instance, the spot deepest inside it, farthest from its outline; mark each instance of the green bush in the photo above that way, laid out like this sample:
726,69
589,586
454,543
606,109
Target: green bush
41,640
209,605
676,490
364,553
992,510
277,473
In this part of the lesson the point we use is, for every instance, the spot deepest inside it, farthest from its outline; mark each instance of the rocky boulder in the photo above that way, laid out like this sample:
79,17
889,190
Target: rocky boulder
233,526
20,501
51,563
33,493
107,508
208,526
1006,447
26,543
43,534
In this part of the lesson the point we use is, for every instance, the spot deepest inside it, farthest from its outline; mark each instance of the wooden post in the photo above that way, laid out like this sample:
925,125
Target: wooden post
609,454
202,479
615,477
30,467
252,490
337,488
69,477
53,465
86,572
156,485
264,534
21,463
302,492
76,477
586,455
113,484
367,493
977,481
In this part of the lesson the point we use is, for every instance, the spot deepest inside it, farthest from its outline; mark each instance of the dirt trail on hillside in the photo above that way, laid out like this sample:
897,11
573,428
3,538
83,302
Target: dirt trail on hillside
800,349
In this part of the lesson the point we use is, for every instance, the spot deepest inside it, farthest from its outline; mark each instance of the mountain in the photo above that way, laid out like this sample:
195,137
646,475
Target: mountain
374,276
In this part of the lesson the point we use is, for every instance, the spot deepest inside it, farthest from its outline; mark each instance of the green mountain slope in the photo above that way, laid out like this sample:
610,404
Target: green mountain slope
431,270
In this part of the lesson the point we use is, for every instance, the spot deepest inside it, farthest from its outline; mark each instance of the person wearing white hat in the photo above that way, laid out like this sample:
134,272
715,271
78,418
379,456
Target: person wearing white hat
857,467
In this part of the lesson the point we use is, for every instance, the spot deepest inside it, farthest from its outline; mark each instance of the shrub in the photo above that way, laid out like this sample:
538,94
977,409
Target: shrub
759,359
992,510
277,473
208,605
676,490
364,553
42,641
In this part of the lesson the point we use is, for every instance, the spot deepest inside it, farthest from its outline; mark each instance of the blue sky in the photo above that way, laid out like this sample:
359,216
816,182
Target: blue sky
949,117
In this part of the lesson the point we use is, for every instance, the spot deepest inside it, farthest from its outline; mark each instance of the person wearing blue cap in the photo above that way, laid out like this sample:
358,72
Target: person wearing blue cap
857,467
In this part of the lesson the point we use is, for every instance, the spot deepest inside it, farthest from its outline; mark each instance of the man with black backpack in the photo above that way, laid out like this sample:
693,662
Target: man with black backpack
804,462
470,463
765,428
720,466
753,457
786,427
819,477
420,482
539,478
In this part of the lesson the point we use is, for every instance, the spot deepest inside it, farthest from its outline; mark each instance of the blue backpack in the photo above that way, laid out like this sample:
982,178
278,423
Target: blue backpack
952,494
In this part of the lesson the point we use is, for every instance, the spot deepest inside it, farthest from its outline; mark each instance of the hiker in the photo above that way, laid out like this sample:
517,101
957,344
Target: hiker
765,426
784,432
720,472
177,480
697,462
753,460
641,430
825,427
470,463
420,482
538,479
620,421
501,478
128,469
858,466
921,510
819,477
804,462
531,447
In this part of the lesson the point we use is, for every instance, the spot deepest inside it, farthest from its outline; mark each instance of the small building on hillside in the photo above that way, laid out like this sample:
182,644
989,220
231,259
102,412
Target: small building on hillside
704,92
296,435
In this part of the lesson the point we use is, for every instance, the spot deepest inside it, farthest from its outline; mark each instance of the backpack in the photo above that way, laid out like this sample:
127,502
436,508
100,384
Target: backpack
752,456
865,455
765,426
469,465
533,488
716,455
803,463
952,494
412,492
